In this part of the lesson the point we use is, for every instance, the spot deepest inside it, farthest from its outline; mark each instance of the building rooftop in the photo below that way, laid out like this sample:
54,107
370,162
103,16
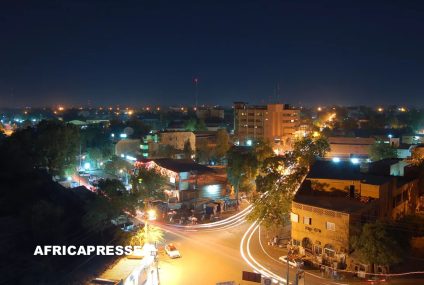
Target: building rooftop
351,140
382,167
343,170
335,200
179,165
123,268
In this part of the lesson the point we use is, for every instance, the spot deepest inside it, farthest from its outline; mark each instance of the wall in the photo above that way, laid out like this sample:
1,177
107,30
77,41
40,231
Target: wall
345,147
362,189
127,147
178,139
404,199
317,231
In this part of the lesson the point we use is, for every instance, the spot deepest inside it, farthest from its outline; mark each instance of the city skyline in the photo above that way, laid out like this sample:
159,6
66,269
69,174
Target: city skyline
140,53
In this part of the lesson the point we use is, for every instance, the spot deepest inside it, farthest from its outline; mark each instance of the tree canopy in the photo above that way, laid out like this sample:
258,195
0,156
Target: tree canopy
51,145
188,151
279,178
381,150
148,183
241,168
222,143
376,245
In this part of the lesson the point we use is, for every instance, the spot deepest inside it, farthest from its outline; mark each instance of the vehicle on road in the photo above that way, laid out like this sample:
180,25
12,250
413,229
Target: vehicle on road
172,251
376,280
294,262
83,173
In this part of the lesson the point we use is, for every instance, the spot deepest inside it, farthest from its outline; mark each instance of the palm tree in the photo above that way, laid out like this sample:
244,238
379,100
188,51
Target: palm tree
149,234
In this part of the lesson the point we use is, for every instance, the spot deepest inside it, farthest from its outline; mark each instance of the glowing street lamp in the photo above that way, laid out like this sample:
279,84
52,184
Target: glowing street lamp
151,215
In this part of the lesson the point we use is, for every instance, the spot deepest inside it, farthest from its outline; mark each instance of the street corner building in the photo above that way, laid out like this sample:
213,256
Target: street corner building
337,197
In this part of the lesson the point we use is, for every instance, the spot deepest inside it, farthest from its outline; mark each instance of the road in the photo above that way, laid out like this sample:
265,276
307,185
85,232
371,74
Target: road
208,257
220,253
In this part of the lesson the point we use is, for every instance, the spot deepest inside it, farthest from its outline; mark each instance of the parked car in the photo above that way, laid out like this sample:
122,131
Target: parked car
294,262
172,251
128,227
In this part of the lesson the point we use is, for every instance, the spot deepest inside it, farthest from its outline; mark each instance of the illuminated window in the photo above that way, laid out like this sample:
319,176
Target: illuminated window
307,221
330,226
294,218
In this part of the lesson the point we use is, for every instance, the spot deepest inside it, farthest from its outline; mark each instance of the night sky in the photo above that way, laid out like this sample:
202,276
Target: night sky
103,52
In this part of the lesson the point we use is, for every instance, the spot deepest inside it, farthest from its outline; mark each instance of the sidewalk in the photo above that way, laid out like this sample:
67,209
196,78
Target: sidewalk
275,252
219,216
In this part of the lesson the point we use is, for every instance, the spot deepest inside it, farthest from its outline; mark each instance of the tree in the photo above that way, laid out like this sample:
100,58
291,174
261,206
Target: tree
203,151
349,124
381,150
148,183
149,234
140,129
222,143
51,145
280,177
95,155
116,164
242,167
308,149
375,245
201,125
276,184
97,139
120,199
188,151
190,124
262,151
111,200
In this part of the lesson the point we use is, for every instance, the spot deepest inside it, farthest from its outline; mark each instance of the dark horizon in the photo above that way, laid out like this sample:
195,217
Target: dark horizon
141,53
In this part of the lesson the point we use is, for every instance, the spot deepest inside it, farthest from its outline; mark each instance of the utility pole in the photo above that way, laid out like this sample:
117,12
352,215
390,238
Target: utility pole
289,253
196,91
79,177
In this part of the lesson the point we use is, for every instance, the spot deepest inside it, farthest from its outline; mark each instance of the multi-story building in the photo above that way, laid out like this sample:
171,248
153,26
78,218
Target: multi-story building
337,197
209,112
275,123
188,180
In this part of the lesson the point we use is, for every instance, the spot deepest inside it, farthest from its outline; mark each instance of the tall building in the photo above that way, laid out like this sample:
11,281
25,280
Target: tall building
275,123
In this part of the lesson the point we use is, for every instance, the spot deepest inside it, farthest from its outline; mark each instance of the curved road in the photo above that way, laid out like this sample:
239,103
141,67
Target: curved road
220,251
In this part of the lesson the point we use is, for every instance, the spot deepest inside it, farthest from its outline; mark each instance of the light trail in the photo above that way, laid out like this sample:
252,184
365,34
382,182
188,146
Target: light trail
233,220
251,261
307,273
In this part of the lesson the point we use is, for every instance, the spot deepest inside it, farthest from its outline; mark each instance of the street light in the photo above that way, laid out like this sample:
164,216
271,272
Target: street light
151,216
